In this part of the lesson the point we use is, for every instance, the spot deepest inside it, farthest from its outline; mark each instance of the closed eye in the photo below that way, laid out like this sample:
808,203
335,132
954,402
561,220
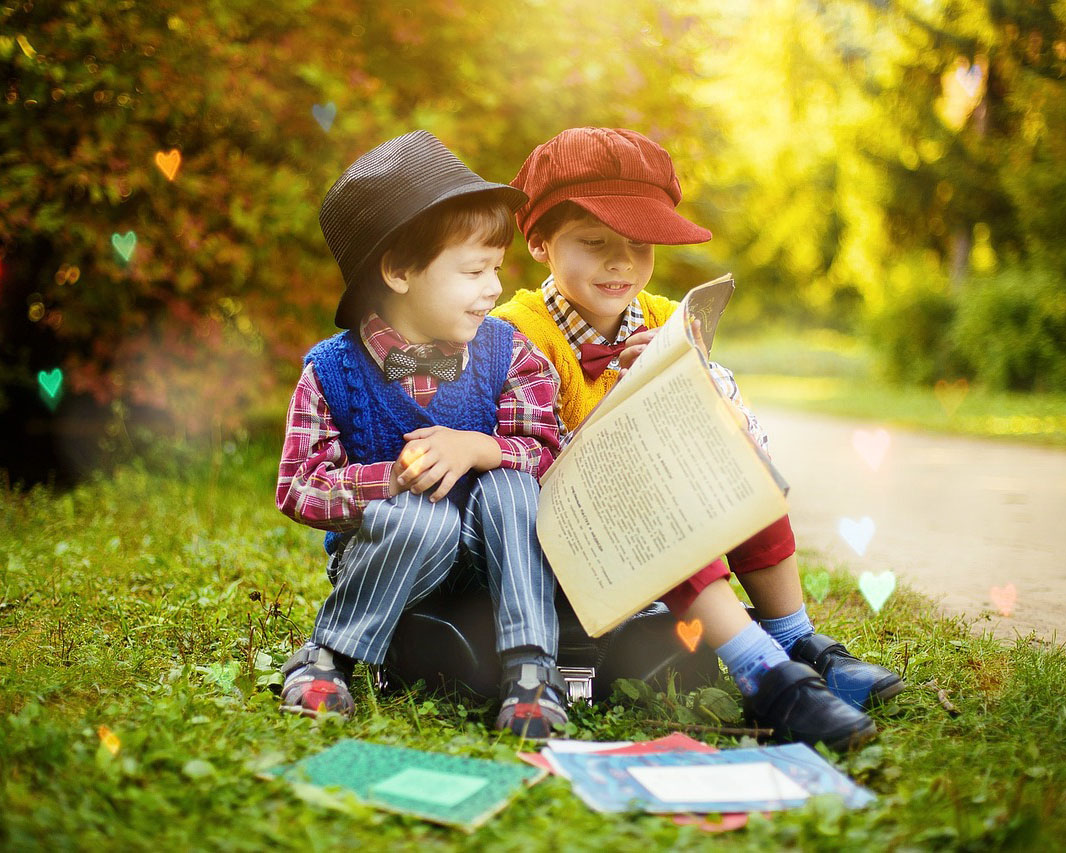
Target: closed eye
593,242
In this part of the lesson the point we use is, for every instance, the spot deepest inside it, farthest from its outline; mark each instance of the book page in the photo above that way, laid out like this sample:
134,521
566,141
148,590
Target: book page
650,493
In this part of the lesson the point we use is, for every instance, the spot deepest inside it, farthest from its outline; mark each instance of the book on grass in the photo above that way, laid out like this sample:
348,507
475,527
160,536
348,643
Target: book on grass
453,790
772,778
661,478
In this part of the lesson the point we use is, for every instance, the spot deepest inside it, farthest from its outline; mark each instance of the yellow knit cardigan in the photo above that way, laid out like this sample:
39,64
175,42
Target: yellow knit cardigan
578,395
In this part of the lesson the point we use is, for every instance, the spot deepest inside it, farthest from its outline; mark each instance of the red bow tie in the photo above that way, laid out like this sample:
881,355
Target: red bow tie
596,357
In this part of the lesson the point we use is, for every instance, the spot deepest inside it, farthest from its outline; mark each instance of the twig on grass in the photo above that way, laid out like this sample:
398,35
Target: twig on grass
695,727
942,698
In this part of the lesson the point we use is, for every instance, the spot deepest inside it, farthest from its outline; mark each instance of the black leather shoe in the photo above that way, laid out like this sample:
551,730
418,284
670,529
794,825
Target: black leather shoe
862,685
793,699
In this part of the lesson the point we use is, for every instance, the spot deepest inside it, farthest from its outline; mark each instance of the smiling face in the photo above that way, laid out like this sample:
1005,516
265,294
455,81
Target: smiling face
448,299
597,270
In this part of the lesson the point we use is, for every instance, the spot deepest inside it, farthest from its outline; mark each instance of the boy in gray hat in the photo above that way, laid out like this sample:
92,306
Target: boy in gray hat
416,437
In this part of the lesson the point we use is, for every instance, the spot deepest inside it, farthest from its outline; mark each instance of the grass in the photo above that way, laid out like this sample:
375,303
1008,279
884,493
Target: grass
829,373
157,601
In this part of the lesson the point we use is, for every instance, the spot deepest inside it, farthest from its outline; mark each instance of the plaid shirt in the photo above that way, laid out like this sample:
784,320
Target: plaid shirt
578,332
318,486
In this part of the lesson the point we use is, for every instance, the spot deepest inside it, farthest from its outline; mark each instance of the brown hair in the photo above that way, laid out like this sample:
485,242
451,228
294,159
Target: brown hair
417,243
556,217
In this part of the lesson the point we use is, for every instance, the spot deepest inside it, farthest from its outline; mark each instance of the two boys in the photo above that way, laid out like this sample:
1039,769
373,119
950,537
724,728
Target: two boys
418,239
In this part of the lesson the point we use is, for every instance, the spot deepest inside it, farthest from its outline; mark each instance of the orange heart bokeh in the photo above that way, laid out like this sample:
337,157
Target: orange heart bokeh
690,633
168,163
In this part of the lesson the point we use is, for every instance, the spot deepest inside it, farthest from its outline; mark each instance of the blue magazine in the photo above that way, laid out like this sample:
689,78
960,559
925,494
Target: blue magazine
771,778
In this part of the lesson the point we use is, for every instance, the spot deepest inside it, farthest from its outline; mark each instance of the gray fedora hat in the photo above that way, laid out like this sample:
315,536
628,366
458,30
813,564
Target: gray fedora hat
386,188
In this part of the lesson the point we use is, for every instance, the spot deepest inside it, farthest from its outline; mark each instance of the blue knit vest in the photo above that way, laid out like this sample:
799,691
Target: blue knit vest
373,415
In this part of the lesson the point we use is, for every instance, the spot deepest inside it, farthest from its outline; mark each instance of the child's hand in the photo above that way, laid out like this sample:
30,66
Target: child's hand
635,345
439,456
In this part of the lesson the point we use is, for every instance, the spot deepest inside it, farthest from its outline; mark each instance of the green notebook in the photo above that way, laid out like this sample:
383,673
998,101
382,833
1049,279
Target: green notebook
448,789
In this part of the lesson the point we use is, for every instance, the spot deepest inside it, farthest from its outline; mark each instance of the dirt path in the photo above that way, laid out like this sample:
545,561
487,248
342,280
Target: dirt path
954,517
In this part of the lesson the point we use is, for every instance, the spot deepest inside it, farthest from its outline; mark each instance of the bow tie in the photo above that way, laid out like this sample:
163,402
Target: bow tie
400,364
595,358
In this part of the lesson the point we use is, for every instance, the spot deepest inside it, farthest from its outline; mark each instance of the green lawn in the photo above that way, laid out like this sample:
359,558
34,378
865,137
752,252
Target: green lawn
150,602
833,374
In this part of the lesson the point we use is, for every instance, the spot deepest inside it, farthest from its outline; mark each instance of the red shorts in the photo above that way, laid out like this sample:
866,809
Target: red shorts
766,548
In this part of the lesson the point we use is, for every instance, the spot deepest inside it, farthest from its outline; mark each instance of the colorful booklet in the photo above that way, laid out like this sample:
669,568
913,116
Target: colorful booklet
771,778
450,789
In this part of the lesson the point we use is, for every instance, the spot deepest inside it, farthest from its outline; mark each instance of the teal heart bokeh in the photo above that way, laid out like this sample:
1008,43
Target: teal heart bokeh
51,383
877,588
124,244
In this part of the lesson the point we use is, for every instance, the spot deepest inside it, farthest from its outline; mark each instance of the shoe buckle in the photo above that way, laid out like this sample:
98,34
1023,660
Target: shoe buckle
578,682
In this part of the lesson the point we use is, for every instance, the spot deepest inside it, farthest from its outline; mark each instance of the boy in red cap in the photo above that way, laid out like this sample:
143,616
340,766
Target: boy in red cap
415,437
599,202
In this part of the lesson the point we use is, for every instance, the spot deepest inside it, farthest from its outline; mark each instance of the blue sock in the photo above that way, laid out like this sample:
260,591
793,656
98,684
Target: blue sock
788,629
749,655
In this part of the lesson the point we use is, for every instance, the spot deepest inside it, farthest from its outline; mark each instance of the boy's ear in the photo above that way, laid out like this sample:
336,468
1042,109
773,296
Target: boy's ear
395,278
537,249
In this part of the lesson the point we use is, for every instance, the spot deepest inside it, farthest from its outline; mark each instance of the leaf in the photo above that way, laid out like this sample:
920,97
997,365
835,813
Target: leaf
263,661
628,686
719,703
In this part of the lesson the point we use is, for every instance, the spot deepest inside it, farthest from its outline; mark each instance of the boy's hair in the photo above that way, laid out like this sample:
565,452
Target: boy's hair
565,212
415,244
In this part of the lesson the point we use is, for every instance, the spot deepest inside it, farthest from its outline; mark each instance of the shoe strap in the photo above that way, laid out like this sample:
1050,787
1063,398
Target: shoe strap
522,672
308,655
301,657
817,649
781,679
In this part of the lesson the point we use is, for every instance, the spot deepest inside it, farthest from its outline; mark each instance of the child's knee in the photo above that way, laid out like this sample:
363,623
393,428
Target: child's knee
424,518
510,488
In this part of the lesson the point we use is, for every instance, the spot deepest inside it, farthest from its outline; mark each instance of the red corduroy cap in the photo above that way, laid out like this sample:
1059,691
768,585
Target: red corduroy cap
619,176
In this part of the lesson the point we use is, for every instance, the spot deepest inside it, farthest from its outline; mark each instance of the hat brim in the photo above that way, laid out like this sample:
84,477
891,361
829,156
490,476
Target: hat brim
643,219
512,196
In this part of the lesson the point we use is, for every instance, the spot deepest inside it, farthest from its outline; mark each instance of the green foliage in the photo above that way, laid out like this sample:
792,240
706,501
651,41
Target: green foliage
1006,331
912,338
1011,328
708,705
818,155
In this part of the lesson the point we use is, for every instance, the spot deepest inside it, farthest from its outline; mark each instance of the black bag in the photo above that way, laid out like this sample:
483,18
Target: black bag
448,640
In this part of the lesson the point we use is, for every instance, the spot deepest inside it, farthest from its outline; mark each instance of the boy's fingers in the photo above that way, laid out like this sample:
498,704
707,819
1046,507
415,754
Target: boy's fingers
427,478
640,339
421,432
412,462
627,356
446,484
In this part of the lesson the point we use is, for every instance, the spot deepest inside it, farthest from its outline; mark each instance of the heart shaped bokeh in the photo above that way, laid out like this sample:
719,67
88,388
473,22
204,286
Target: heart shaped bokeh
324,115
690,633
51,386
857,533
124,244
877,588
816,585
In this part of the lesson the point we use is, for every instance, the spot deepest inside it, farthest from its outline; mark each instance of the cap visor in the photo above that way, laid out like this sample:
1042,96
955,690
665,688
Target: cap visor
644,219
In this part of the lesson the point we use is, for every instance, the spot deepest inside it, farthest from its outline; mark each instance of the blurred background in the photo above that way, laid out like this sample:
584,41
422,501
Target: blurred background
885,179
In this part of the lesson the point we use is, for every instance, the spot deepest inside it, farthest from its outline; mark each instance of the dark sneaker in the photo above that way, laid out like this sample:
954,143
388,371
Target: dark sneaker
533,702
862,685
316,680
793,699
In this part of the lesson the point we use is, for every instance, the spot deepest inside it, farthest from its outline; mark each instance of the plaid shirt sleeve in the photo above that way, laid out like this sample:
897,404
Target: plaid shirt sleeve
527,427
727,384
316,484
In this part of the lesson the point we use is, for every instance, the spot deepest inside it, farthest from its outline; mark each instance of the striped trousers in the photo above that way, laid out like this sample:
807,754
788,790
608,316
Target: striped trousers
407,546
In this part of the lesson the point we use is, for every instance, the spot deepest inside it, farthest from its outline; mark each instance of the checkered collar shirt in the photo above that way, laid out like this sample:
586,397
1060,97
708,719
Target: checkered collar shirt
573,325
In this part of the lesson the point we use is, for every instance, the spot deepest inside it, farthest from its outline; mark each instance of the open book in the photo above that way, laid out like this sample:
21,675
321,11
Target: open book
660,479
